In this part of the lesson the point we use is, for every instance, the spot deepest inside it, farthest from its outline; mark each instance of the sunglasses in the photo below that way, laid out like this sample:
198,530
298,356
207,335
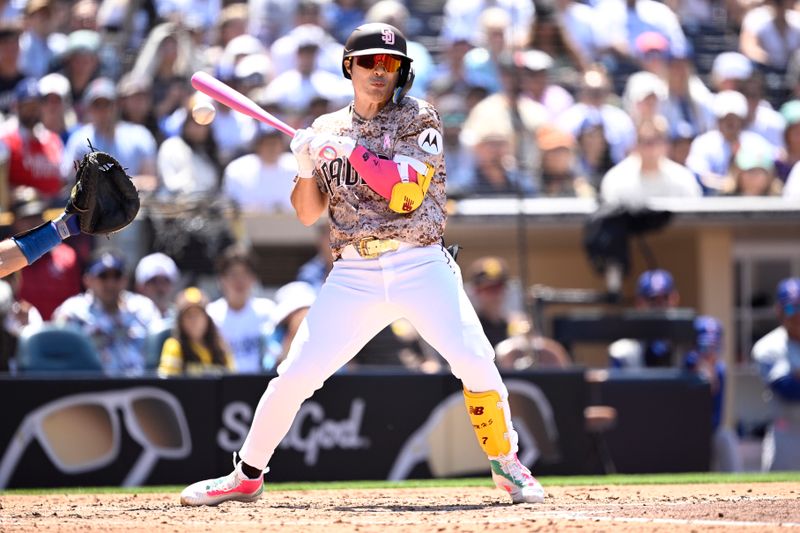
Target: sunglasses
390,63
82,432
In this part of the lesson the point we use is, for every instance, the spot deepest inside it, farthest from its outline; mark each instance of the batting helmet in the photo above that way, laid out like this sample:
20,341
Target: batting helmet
380,38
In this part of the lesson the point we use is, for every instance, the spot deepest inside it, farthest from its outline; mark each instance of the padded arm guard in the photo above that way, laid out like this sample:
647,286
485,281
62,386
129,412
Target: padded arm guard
403,181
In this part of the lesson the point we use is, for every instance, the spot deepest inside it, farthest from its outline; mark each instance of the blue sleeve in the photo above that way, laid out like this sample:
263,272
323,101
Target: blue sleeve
787,387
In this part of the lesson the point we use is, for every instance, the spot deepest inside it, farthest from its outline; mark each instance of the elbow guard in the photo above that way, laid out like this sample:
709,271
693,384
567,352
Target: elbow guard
415,178
403,181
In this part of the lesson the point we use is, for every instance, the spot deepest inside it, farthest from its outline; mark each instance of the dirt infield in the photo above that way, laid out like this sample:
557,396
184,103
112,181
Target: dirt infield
750,507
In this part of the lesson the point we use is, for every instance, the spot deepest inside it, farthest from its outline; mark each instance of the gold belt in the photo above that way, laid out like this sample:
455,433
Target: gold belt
370,247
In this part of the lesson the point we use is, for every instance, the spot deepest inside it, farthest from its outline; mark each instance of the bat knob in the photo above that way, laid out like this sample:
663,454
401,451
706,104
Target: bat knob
328,153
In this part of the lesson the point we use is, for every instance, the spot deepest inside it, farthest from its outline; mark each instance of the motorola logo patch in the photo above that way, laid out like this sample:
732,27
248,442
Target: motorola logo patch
430,141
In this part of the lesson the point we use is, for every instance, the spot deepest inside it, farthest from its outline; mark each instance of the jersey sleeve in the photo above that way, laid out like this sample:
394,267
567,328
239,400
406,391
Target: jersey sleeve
420,136
171,363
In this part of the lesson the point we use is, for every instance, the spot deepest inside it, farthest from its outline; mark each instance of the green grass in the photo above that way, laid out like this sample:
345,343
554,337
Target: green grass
561,481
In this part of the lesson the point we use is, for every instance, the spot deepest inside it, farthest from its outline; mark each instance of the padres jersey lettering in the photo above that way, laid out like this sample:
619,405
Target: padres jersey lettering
412,129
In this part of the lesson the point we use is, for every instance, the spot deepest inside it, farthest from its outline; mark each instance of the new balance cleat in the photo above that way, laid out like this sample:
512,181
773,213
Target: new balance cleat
233,487
515,478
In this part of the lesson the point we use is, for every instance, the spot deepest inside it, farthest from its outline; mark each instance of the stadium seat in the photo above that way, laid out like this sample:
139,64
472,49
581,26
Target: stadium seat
152,347
54,348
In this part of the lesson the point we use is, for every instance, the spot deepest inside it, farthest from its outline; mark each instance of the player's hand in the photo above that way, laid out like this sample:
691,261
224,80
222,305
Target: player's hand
300,149
329,147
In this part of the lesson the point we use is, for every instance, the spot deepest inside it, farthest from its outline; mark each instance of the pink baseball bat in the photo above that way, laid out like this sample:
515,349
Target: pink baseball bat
223,93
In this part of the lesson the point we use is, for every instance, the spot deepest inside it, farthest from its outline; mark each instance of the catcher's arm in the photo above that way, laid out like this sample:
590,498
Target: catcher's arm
26,247
102,201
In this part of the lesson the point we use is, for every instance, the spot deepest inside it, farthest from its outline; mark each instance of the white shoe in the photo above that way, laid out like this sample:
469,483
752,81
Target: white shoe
235,486
515,478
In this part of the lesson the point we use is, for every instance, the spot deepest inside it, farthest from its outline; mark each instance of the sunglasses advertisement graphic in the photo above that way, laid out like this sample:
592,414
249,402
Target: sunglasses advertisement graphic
82,432
446,441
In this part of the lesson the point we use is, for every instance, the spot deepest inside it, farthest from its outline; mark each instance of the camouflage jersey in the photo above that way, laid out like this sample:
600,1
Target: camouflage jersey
411,128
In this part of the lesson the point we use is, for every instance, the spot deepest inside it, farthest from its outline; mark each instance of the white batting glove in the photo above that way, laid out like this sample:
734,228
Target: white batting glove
328,147
300,148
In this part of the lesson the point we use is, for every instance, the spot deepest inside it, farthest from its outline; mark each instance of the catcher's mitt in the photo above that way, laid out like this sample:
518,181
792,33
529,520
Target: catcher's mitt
103,198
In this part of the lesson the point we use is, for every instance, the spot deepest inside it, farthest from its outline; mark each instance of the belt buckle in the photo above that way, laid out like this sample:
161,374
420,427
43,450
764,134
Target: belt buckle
363,250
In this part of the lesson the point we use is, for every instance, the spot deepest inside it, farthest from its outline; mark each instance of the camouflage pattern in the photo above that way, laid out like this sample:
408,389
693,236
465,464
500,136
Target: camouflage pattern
355,210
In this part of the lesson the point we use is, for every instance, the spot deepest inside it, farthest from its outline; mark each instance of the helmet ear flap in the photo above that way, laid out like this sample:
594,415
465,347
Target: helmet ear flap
404,82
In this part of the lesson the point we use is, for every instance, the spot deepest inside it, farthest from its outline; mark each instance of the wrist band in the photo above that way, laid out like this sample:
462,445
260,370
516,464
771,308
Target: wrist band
38,241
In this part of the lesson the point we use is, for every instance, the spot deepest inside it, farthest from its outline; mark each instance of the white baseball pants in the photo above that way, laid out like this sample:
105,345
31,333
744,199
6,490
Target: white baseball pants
359,299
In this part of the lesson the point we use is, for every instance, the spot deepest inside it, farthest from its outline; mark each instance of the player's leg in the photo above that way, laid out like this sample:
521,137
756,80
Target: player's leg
432,297
348,312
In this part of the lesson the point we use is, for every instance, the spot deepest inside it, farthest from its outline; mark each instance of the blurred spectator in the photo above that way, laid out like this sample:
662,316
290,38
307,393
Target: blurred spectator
655,290
16,315
770,33
458,158
316,270
343,16
83,15
34,152
594,153
548,35
136,103
620,22
704,360
270,19
778,357
536,83
680,142
10,74
559,166
487,281
203,13
482,62
753,174
712,153
157,278
293,301
188,163
648,172
262,181
733,71
241,317
294,89
231,23
594,106
395,13
449,76
132,145
166,61
688,99
576,20
470,13
308,27
55,276
81,64
57,113
36,54
235,51
644,95
497,128
652,52
790,111
195,346
761,117
116,320
728,70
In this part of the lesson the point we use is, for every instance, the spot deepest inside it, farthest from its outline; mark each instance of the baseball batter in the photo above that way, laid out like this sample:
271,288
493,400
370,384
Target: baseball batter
378,167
